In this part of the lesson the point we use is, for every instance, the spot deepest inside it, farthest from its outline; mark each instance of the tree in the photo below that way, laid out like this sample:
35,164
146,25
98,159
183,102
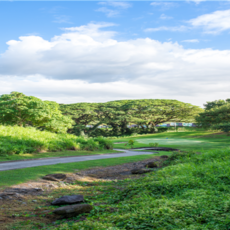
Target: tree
146,113
216,115
19,109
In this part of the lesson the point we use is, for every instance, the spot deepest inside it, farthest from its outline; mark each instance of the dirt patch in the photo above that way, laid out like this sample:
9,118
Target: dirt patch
118,172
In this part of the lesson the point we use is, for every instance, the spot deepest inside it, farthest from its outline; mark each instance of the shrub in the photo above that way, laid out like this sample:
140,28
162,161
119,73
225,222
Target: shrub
19,140
153,144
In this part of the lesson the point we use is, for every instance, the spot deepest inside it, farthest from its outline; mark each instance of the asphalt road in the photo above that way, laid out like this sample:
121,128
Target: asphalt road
61,160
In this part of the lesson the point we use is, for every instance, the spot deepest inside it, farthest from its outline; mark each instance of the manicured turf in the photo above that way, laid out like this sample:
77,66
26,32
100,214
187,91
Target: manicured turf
12,177
182,140
66,153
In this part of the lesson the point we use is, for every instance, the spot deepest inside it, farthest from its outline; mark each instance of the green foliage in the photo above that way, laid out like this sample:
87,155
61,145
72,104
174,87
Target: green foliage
216,115
18,140
19,109
153,144
130,143
117,115
192,192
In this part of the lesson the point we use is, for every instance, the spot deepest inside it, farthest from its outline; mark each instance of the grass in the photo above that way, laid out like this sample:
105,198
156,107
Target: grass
20,140
199,140
67,153
17,176
190,192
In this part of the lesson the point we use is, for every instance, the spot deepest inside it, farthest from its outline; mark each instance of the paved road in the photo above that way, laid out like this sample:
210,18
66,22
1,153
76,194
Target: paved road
60,160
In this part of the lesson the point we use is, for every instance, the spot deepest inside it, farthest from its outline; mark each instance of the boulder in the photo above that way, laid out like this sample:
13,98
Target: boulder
73,210
151,165
140,171
74,199
55,177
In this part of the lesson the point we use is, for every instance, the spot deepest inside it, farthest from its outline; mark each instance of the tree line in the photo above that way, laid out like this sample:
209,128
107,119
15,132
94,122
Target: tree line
19,109
145,113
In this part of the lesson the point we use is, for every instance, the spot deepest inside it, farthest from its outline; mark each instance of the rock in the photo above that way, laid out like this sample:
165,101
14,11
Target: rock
55,177
151,165
68,200
140,171
164,156
73,210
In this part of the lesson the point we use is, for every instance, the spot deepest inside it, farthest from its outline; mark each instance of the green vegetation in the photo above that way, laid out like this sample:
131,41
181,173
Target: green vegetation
187,141
192,192
117,115
20,140
17,176
216,115
19,109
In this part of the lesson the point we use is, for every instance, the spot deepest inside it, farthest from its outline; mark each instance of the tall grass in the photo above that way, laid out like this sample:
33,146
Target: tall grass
19,140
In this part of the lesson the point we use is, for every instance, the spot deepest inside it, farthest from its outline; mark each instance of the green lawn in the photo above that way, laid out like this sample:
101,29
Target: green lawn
182,140
30,156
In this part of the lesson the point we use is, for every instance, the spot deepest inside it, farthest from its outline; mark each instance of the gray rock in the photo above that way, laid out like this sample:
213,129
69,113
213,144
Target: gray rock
141,171
151,165
74,199
73,210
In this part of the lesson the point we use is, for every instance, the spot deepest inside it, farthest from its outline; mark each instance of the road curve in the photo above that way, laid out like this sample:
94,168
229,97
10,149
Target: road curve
52,161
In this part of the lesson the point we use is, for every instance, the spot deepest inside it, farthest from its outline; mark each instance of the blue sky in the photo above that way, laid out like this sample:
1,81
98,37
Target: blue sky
100,51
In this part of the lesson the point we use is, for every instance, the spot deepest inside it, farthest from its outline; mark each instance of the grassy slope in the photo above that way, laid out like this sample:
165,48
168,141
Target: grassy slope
66,153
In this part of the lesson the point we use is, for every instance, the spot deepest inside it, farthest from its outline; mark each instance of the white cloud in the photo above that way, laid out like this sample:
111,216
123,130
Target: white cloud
87,63
109,13
62,19
123,5
165,17
213,23
113,12
191,41
166,28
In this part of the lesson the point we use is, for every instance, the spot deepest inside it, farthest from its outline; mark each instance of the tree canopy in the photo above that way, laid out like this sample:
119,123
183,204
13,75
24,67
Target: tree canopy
19,109
146,113
216,115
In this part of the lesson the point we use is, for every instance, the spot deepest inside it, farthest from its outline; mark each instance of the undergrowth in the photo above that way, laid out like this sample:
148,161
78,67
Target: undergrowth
191,192
19,140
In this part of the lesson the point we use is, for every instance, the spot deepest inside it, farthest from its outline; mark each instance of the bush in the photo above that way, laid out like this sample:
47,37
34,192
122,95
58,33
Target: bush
153,144
19,140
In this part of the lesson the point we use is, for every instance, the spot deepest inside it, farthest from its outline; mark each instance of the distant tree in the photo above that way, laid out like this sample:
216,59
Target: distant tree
19,109
146,113
216,115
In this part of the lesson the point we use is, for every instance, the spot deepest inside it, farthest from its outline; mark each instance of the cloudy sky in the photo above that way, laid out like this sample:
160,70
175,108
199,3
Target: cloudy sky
93,51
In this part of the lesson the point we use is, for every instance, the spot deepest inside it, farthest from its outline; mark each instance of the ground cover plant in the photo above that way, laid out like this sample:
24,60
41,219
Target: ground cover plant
20,140
190,192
